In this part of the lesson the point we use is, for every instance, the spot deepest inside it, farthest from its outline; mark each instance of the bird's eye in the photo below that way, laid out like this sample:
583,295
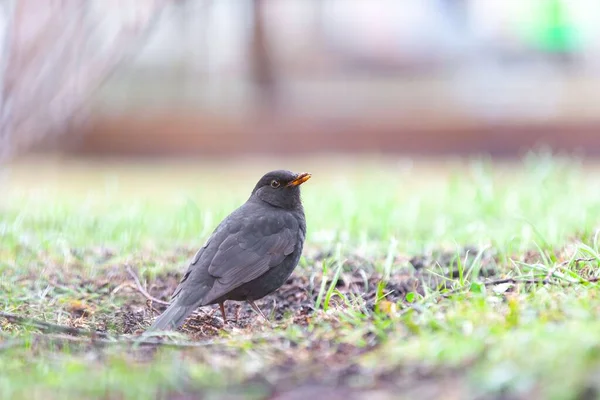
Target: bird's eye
275,183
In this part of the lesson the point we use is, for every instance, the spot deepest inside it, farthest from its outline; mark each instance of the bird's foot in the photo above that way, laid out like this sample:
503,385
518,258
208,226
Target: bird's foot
259,312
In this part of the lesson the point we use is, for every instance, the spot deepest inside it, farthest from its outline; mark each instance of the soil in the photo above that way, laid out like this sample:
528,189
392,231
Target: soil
295,301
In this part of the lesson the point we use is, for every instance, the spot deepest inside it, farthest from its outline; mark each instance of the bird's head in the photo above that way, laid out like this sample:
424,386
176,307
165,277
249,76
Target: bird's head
281,188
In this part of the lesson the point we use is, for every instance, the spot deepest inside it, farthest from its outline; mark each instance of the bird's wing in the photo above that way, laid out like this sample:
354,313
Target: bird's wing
254,244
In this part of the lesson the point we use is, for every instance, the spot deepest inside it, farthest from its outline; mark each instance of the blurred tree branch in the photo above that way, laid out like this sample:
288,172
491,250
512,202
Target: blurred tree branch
54,54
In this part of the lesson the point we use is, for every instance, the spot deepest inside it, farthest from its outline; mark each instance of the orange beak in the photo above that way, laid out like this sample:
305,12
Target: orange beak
300,179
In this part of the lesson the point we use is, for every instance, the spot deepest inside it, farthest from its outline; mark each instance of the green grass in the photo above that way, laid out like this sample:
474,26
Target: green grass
63,238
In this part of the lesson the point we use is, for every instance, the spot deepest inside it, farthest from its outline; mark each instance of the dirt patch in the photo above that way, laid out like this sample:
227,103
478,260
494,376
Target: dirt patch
107,300
359,282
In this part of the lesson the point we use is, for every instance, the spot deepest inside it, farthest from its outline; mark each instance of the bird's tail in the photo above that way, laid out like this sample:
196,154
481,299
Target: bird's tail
173,317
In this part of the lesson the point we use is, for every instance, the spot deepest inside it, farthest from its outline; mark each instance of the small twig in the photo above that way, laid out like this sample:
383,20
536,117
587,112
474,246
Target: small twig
515,281
580,260
121,286
522,281
552,270
48,327
539,281
141,289
550,273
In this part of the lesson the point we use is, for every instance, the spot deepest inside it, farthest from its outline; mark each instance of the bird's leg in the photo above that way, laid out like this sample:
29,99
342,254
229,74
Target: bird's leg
222,307
258,311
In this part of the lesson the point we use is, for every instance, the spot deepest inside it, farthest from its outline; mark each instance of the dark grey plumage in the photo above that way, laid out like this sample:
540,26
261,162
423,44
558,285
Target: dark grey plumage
249,255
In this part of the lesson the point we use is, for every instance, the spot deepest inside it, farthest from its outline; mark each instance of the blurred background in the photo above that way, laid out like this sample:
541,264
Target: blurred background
199,78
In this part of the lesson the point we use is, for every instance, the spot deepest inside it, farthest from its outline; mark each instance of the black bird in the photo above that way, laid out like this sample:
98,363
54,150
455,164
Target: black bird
249,255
